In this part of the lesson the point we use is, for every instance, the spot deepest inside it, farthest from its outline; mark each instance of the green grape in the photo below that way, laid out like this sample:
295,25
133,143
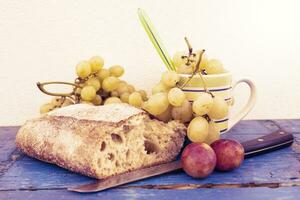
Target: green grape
219,109
194,60
131,88
203,63
96,63
143,94
77,91
114,93
122,82
156,104
125,97
184,69
110,83
159,87
213,133
57,101
83,69
181,63
82,84
111,100
102,74
183,113
170,78
94,82
165,116
135,99
178,60
86,102
97,100
47,107
116,70
122,88
198,129
203,104
176,96
214,66
88,93
67,102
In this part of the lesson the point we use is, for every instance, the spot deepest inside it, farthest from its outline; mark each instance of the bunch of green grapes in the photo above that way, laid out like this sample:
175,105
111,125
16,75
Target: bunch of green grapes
206,108
97,85
168,101
201,113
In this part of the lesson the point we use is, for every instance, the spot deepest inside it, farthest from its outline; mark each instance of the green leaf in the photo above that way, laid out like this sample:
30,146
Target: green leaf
155,39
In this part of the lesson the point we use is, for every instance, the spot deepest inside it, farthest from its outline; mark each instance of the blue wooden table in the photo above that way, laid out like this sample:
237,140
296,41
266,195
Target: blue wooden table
271,176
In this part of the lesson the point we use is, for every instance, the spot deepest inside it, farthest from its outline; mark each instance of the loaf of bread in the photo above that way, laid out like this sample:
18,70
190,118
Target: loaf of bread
101,141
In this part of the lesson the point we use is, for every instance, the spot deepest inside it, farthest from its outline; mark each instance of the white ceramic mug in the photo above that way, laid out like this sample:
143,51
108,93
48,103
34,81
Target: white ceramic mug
220,85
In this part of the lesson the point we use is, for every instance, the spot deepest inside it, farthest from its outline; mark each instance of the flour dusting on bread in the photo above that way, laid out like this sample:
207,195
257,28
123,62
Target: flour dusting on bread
101,141
109,113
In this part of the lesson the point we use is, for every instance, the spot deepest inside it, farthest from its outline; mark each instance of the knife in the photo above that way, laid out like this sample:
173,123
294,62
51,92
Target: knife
264,144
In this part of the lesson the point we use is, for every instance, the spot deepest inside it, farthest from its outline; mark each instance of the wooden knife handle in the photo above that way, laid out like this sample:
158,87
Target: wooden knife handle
267,143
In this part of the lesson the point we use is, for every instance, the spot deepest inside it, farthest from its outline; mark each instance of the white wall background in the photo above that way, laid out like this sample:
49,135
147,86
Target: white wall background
44,40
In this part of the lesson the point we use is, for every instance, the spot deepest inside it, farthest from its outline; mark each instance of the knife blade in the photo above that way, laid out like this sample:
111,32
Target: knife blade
264,144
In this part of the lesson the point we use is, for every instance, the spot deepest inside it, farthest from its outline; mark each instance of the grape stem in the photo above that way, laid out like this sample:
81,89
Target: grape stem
195,72
201,75
191,54
41,86
207,118
196,68
189,46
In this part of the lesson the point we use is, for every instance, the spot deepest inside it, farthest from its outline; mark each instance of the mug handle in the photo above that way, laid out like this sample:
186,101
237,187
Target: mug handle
248,107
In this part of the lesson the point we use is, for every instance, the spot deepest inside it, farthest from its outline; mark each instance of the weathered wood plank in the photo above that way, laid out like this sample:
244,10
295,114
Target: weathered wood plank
7,141
8,152
263,169
30,173
262,193
289,125
253,127
281,166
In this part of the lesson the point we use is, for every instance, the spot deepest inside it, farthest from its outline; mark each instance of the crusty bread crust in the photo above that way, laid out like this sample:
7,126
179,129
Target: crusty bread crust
101,148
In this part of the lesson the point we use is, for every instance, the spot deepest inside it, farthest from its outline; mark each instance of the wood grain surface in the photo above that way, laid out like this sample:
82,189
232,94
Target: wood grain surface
271,176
